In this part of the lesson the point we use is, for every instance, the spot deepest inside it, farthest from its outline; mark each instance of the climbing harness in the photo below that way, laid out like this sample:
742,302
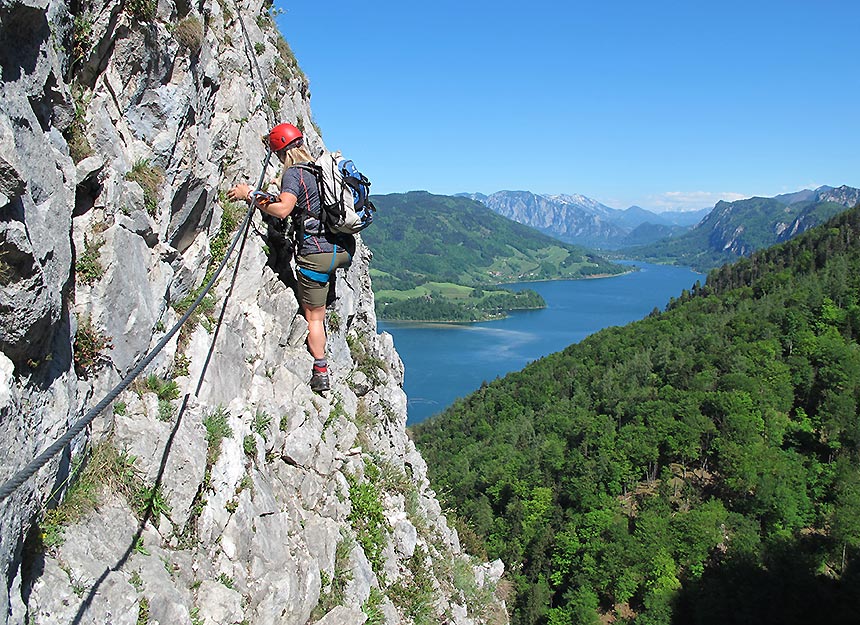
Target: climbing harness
319,276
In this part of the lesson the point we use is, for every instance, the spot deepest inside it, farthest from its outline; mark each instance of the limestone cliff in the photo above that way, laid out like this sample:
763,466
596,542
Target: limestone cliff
217,488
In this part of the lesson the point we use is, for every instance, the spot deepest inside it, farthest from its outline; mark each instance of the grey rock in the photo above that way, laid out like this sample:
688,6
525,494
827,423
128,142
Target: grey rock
88,567
389,612
88,168
12,182
389,354
7,369
343,615
28,309
219,604
363,579
359,383
118,534
163,578
224,381
460,615
139,223
190,209
129,299
572,218
236,538
301,443
170,450
188,269
48,602
322,535
286,585
405,537
493,572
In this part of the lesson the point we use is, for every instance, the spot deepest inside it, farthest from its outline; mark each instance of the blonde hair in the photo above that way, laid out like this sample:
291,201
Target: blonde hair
297,155
293,156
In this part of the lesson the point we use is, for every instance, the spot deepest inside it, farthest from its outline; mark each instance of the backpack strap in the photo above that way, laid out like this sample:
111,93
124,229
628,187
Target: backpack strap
317,174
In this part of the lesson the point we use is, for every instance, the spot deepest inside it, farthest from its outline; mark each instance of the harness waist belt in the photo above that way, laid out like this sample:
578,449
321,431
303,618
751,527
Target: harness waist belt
319,276
316,276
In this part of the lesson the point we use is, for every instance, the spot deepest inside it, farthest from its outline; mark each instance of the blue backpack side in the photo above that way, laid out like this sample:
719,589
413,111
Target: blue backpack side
360,186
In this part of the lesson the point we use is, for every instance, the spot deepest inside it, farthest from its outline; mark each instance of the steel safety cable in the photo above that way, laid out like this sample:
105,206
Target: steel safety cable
42,459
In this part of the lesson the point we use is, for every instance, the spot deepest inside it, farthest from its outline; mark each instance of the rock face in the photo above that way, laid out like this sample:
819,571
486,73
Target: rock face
844,195
810,217
217,488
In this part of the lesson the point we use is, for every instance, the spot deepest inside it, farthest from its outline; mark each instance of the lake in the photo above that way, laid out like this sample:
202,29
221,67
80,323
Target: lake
445,361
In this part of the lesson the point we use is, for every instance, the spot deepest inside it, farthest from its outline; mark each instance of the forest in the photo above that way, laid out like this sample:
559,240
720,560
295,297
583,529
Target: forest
699,466
474,305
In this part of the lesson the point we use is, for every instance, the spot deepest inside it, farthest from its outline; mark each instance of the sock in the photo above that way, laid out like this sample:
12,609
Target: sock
320,365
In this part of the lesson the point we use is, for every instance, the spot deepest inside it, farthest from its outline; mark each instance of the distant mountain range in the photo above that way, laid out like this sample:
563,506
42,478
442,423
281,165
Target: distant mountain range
580,220
734,229
702,239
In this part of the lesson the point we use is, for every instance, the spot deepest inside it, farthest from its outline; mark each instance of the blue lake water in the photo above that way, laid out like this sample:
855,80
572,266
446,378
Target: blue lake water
445,361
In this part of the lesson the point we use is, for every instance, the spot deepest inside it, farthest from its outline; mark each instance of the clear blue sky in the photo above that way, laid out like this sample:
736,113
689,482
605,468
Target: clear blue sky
660,104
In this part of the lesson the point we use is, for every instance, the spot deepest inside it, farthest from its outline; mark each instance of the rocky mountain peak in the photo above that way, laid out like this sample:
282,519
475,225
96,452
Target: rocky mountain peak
569,217
581,201
844,195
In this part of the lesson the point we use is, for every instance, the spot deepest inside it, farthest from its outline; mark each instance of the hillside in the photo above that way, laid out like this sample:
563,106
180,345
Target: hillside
187,474
735,229
700,466
646,233
438,248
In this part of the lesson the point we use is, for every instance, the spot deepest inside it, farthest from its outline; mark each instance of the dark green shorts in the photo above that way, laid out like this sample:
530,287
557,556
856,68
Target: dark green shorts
318,274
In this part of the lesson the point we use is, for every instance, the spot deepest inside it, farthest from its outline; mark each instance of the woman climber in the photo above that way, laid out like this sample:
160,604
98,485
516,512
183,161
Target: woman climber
318,252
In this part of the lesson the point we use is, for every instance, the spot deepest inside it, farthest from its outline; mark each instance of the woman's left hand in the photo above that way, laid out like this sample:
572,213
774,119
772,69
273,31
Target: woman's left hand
239,192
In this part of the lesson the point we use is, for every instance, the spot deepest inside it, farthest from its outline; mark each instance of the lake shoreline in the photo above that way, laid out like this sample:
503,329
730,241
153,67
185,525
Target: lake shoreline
596,276
511,310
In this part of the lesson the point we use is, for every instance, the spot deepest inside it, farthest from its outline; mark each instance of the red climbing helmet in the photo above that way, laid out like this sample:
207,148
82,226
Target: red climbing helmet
284,136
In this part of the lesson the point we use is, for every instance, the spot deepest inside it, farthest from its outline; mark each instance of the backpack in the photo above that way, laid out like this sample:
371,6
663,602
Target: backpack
345,205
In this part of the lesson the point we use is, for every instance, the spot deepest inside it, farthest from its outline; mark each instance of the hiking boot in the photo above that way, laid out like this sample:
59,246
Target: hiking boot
319,382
